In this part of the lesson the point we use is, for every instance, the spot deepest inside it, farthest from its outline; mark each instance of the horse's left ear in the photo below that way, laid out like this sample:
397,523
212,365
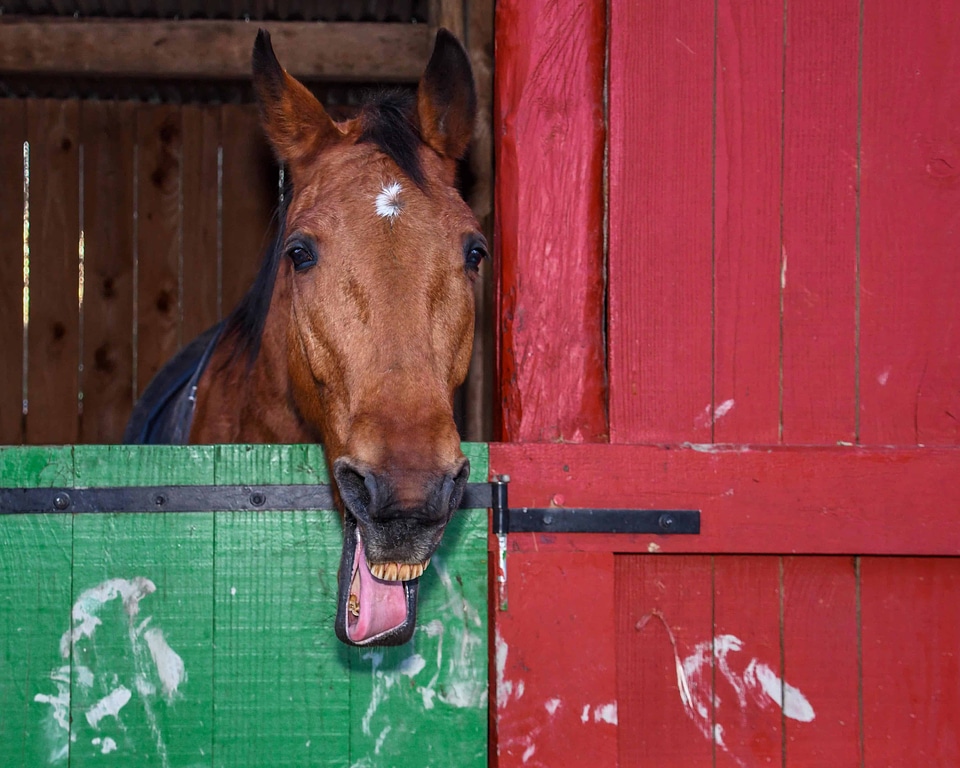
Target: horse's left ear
296,123
447,98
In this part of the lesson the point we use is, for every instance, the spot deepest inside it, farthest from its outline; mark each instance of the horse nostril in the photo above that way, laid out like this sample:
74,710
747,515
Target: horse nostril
358,486
452,488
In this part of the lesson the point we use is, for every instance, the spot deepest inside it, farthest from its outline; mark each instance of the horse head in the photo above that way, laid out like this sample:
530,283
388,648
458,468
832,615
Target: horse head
374,287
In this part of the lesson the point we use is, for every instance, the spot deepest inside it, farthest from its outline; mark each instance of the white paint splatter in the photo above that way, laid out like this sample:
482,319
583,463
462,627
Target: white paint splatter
884,376
504,686
109,745
757,686
109,706
388,201
380,739
87,607
783,267
585,715
711,415
412,665
552,705
605,713
528,752
169,664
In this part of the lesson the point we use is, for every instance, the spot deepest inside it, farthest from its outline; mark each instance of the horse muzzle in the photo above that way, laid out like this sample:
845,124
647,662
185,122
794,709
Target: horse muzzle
387,545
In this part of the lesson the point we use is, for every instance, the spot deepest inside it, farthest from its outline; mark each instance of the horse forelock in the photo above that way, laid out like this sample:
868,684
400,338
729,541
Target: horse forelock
387,121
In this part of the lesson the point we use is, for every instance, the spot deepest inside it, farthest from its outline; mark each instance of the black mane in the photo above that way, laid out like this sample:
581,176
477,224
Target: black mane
388,121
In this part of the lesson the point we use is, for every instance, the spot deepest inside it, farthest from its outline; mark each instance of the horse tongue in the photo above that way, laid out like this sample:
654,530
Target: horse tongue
382,604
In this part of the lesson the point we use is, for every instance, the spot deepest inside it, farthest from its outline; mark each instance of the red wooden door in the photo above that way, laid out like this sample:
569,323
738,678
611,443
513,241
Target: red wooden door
768,330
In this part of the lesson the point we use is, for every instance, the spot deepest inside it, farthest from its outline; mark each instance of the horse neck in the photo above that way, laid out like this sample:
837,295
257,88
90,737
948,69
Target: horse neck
243,402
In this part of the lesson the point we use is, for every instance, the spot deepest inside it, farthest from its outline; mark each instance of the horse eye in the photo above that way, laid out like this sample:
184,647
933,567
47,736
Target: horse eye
474,254
301,256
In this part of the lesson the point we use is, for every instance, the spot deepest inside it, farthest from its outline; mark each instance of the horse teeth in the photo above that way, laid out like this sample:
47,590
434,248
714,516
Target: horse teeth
392,572
398,571
377,570
353,605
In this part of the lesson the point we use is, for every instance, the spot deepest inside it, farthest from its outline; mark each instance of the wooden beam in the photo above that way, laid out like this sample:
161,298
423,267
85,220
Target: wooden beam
210,50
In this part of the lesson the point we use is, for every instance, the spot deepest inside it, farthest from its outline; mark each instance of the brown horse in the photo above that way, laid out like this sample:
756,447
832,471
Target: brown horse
357,330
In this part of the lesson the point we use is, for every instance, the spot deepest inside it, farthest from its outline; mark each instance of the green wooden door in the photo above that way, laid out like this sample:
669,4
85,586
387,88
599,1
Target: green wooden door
182,640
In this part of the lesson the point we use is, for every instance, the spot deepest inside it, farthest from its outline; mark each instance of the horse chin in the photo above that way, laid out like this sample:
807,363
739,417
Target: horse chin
379,612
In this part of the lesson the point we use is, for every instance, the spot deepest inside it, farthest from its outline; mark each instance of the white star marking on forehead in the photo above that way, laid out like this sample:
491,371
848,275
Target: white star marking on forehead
388,201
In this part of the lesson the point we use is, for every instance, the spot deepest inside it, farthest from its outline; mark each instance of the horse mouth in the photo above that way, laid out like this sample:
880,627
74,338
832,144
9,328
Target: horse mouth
377,603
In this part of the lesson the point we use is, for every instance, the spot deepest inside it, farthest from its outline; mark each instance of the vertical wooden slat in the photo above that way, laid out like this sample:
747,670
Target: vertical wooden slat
661,84
549,220
818,260
201,233
911,669
664,616
54,351
747,222
556,675
159,141
13,118
909,266
250,195
108,134
746,647
820,636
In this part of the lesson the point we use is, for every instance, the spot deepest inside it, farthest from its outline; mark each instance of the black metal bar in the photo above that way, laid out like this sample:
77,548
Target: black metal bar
565,520
190,498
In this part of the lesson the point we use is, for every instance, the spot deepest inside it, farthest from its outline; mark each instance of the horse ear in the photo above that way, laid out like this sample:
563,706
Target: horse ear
447,98
296,123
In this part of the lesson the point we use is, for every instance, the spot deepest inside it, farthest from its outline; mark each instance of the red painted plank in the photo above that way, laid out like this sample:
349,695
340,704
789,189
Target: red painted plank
909,265
556,662
746,650
664,616
911,668
661,84
53,355
769,500
13,117
747,225
820,636
818,259
549,219
108,130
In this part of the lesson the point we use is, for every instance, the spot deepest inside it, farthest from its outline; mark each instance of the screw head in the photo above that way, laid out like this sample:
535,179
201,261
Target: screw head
258,499
159,499
61,501
667,522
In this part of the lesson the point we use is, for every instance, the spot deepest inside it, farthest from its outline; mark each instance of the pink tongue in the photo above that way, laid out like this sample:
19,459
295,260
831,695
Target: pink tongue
383,604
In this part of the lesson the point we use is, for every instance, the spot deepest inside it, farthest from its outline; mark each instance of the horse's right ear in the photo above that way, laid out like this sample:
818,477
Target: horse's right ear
296,123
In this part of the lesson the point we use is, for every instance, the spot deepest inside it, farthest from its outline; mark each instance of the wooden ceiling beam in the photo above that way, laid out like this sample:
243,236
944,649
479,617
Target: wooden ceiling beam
210,50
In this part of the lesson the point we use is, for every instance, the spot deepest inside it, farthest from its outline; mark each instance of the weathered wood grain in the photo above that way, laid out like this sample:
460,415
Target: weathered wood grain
369,52
549,220
752,500
818,260
661,84
53,363
13,117
910,196
107,131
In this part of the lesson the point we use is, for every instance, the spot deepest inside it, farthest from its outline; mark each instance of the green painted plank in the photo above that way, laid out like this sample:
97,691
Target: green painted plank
143,617
425,703
35,589
282,694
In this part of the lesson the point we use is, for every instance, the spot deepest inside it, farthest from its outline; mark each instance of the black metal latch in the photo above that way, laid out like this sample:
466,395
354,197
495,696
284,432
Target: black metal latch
574,520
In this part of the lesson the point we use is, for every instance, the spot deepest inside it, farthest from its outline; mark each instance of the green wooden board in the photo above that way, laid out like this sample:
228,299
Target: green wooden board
206,639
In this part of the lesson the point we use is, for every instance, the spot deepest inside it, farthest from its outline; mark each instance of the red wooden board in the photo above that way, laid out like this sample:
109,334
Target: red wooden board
770,500
554,707
910,224
818,261
911,667
549,219
664,612
746,400
820,659
661,85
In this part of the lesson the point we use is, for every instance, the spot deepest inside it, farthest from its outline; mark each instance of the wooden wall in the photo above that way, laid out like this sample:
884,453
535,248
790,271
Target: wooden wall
730,261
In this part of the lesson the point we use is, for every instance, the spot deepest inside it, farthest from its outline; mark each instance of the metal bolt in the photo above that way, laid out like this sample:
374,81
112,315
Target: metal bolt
61,501
548,519
667,522
159,499
258,499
